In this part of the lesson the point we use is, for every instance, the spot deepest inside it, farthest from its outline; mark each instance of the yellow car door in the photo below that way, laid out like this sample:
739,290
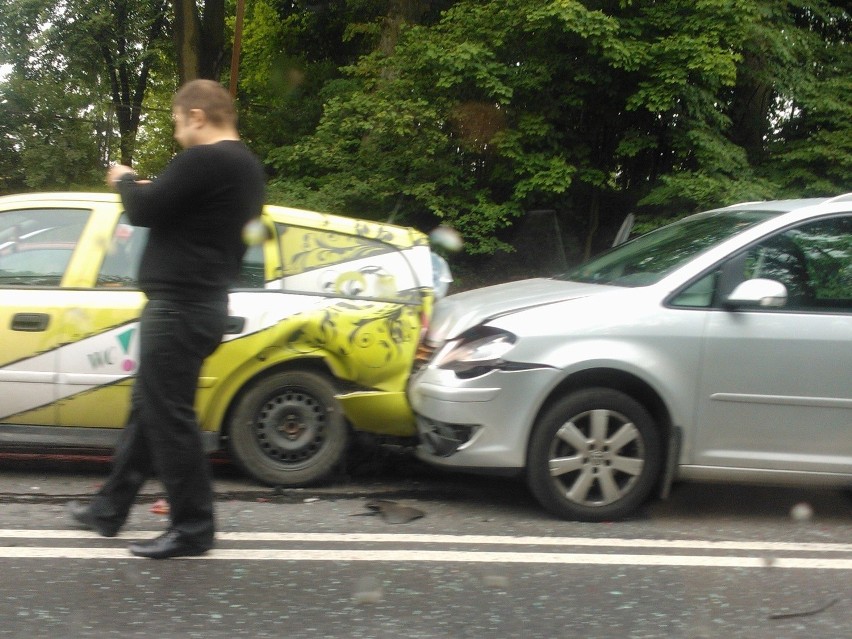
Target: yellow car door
37,243
101,327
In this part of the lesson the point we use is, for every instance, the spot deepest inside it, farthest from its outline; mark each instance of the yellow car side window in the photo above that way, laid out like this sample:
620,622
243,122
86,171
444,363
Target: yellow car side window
36,244
343,265
122,257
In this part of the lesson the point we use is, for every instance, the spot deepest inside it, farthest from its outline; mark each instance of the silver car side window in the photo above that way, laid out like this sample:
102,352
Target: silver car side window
699,294
813,261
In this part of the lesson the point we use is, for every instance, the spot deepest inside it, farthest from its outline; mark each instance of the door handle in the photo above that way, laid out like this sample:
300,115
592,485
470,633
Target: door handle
235,325
30,322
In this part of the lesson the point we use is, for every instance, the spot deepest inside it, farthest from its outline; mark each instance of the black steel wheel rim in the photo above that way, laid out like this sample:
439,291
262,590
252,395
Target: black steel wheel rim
290,426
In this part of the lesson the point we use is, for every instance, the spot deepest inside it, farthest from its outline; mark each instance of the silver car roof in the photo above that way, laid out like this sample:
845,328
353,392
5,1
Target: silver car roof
776,205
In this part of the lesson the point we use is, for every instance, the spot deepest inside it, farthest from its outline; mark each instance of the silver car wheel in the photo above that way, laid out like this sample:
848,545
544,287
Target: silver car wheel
596,457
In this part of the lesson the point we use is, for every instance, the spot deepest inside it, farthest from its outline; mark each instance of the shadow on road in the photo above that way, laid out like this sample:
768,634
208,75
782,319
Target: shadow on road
392,472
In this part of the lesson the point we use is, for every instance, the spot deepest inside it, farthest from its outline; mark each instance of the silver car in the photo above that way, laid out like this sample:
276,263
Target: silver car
717,348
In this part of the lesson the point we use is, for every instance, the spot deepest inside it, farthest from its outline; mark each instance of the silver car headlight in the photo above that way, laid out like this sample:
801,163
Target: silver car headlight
476,353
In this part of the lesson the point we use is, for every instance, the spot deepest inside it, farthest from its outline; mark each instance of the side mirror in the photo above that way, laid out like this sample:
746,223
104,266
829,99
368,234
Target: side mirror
442,277
756,293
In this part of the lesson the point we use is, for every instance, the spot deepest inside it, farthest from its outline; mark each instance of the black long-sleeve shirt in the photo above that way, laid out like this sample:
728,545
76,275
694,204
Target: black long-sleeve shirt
196,210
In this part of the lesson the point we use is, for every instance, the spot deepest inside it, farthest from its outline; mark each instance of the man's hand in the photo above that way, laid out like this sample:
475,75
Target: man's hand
116,172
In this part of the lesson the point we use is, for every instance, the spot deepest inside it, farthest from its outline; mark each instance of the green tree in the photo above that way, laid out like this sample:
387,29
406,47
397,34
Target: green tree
592,108
507,106
11,172
78,66
128,34
787,117
808,135
467,112
294,53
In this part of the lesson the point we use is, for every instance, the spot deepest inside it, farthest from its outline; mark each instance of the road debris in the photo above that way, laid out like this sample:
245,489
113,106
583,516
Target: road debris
368,590
392,512
160,507
805,613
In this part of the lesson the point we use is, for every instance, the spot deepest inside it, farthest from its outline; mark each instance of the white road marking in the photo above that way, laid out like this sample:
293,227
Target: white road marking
451,555
489,540
410,556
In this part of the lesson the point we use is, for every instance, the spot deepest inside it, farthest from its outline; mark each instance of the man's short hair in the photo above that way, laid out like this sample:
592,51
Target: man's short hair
210,97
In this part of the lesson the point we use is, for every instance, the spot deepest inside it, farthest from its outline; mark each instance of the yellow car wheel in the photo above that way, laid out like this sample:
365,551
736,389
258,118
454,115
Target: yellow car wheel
289,430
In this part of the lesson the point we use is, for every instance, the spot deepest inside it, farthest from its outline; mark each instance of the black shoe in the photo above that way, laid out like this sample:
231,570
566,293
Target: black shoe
85,518
167,545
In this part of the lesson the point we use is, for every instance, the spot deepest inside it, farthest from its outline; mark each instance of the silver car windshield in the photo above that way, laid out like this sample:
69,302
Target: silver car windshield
648,258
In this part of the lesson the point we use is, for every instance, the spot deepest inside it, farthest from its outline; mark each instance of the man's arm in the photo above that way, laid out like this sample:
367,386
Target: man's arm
147,203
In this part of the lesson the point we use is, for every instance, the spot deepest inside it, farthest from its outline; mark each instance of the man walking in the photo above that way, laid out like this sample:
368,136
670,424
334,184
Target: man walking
195,210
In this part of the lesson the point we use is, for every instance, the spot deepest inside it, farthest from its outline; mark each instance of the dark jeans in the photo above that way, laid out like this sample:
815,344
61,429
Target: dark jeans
161,435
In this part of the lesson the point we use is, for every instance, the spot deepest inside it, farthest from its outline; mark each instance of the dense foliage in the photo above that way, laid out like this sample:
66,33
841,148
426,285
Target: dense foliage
470,112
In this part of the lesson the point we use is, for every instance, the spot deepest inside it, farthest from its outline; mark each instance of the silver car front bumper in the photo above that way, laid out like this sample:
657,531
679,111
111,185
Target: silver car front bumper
483,422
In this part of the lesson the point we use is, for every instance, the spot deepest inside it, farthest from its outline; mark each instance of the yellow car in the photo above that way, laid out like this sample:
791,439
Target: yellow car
322,333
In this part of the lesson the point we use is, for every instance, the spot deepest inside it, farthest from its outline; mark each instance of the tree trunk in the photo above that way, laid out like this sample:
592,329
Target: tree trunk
128,94
750,108
399,13
199,38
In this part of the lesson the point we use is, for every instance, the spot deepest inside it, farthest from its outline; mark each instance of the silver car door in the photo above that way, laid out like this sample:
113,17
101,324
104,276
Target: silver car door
776,384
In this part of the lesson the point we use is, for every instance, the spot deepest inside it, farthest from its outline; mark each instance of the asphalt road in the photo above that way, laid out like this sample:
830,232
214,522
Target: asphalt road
467,557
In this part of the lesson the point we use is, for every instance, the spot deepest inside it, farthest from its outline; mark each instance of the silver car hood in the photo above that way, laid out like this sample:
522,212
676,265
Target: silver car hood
461,311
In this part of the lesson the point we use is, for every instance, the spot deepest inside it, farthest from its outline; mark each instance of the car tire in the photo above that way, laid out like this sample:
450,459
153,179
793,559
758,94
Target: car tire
289,430
594,455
